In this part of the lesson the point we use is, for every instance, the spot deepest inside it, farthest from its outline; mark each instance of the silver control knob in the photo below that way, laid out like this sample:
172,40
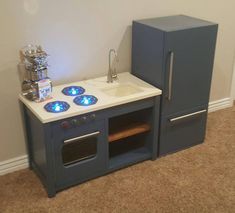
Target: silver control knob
92,117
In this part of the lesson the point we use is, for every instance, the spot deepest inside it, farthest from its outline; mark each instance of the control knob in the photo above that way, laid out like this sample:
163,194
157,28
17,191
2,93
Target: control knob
74,122
65,125
83,119
92,117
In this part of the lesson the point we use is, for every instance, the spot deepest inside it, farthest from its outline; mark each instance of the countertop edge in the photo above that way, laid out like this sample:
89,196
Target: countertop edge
60,117
154,91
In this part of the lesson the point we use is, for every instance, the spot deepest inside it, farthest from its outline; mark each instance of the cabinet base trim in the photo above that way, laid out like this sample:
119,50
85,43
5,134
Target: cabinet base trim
14,164
220,104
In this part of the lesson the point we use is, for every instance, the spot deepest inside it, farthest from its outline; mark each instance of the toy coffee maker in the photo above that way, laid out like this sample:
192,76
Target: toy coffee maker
36,85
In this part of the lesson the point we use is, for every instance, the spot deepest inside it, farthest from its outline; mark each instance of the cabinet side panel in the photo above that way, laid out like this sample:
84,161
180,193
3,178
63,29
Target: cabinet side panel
37,144
147,53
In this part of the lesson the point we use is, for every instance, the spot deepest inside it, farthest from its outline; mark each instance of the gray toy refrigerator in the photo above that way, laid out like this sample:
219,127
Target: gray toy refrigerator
176,54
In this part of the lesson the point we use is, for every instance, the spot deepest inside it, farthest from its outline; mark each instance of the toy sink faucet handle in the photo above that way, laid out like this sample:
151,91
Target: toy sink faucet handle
36,85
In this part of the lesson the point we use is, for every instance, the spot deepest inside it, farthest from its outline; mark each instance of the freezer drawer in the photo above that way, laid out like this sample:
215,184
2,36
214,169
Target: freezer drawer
182,130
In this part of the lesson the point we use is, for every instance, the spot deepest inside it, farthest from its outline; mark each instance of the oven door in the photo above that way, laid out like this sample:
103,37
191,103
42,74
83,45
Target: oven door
80,153
80,148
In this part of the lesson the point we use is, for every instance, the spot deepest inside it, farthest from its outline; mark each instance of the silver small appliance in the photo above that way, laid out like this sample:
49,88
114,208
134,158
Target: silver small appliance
37,85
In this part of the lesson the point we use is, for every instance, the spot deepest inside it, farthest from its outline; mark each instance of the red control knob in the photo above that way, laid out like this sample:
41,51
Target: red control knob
65,124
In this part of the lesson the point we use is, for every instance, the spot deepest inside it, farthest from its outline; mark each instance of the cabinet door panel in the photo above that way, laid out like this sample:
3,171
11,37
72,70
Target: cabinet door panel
192,66
182,130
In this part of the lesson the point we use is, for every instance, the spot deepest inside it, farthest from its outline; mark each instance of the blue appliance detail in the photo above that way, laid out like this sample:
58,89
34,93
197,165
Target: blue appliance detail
85,100
57,106
73,90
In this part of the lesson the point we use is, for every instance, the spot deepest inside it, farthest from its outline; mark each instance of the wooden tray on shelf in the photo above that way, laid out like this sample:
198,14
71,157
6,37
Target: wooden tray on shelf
124,131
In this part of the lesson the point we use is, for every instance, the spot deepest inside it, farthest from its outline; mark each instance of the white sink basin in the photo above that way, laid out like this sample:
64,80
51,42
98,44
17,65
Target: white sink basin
121,90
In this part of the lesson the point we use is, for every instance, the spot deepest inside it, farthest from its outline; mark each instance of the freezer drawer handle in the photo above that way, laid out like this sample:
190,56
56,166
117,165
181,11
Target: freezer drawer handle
188,115
81,137
170,75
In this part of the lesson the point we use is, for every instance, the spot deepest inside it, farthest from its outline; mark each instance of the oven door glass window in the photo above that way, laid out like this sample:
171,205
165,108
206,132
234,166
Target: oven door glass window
80,148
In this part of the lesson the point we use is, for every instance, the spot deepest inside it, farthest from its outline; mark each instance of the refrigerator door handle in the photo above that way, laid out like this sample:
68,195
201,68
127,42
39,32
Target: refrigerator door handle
170,75
188,115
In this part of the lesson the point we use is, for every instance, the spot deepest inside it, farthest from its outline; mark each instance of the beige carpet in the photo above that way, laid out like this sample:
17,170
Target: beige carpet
199,179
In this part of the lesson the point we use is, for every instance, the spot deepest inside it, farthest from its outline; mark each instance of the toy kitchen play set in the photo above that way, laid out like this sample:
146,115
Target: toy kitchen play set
89,128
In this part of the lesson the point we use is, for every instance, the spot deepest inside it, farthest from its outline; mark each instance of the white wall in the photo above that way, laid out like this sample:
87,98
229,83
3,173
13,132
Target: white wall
78,35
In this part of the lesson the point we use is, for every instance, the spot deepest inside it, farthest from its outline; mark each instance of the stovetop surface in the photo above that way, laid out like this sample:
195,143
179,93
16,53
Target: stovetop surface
92,87
78,96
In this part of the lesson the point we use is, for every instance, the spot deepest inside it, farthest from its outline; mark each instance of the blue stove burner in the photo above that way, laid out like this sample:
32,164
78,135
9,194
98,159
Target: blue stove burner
73,90
85,100
56,106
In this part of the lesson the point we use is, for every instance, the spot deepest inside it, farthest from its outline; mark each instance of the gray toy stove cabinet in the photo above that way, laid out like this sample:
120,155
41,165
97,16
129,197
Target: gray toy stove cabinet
176,54
73,150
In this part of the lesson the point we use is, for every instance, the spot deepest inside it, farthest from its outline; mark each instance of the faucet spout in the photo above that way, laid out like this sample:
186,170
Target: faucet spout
112,75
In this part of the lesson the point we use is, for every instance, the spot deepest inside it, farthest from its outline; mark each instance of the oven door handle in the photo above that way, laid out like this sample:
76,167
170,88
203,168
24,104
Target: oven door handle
81,137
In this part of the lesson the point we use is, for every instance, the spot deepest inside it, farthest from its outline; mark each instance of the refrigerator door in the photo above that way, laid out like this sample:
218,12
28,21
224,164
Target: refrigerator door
189,58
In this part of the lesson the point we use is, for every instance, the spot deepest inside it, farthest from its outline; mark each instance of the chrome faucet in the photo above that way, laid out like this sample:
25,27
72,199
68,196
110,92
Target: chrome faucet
112,74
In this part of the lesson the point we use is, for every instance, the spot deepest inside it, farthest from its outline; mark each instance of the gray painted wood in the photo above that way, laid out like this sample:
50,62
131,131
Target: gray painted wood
193,43
192,68
46,140
147,54
183,133
175,23
83,169
41,151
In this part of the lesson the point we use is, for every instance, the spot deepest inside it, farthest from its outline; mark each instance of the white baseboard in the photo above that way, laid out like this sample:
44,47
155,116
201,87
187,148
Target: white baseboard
13,164
21,162
220,104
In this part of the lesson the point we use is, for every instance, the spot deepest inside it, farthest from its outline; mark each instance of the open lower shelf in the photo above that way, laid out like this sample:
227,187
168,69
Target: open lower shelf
129,158
125,131
128,151
129,139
